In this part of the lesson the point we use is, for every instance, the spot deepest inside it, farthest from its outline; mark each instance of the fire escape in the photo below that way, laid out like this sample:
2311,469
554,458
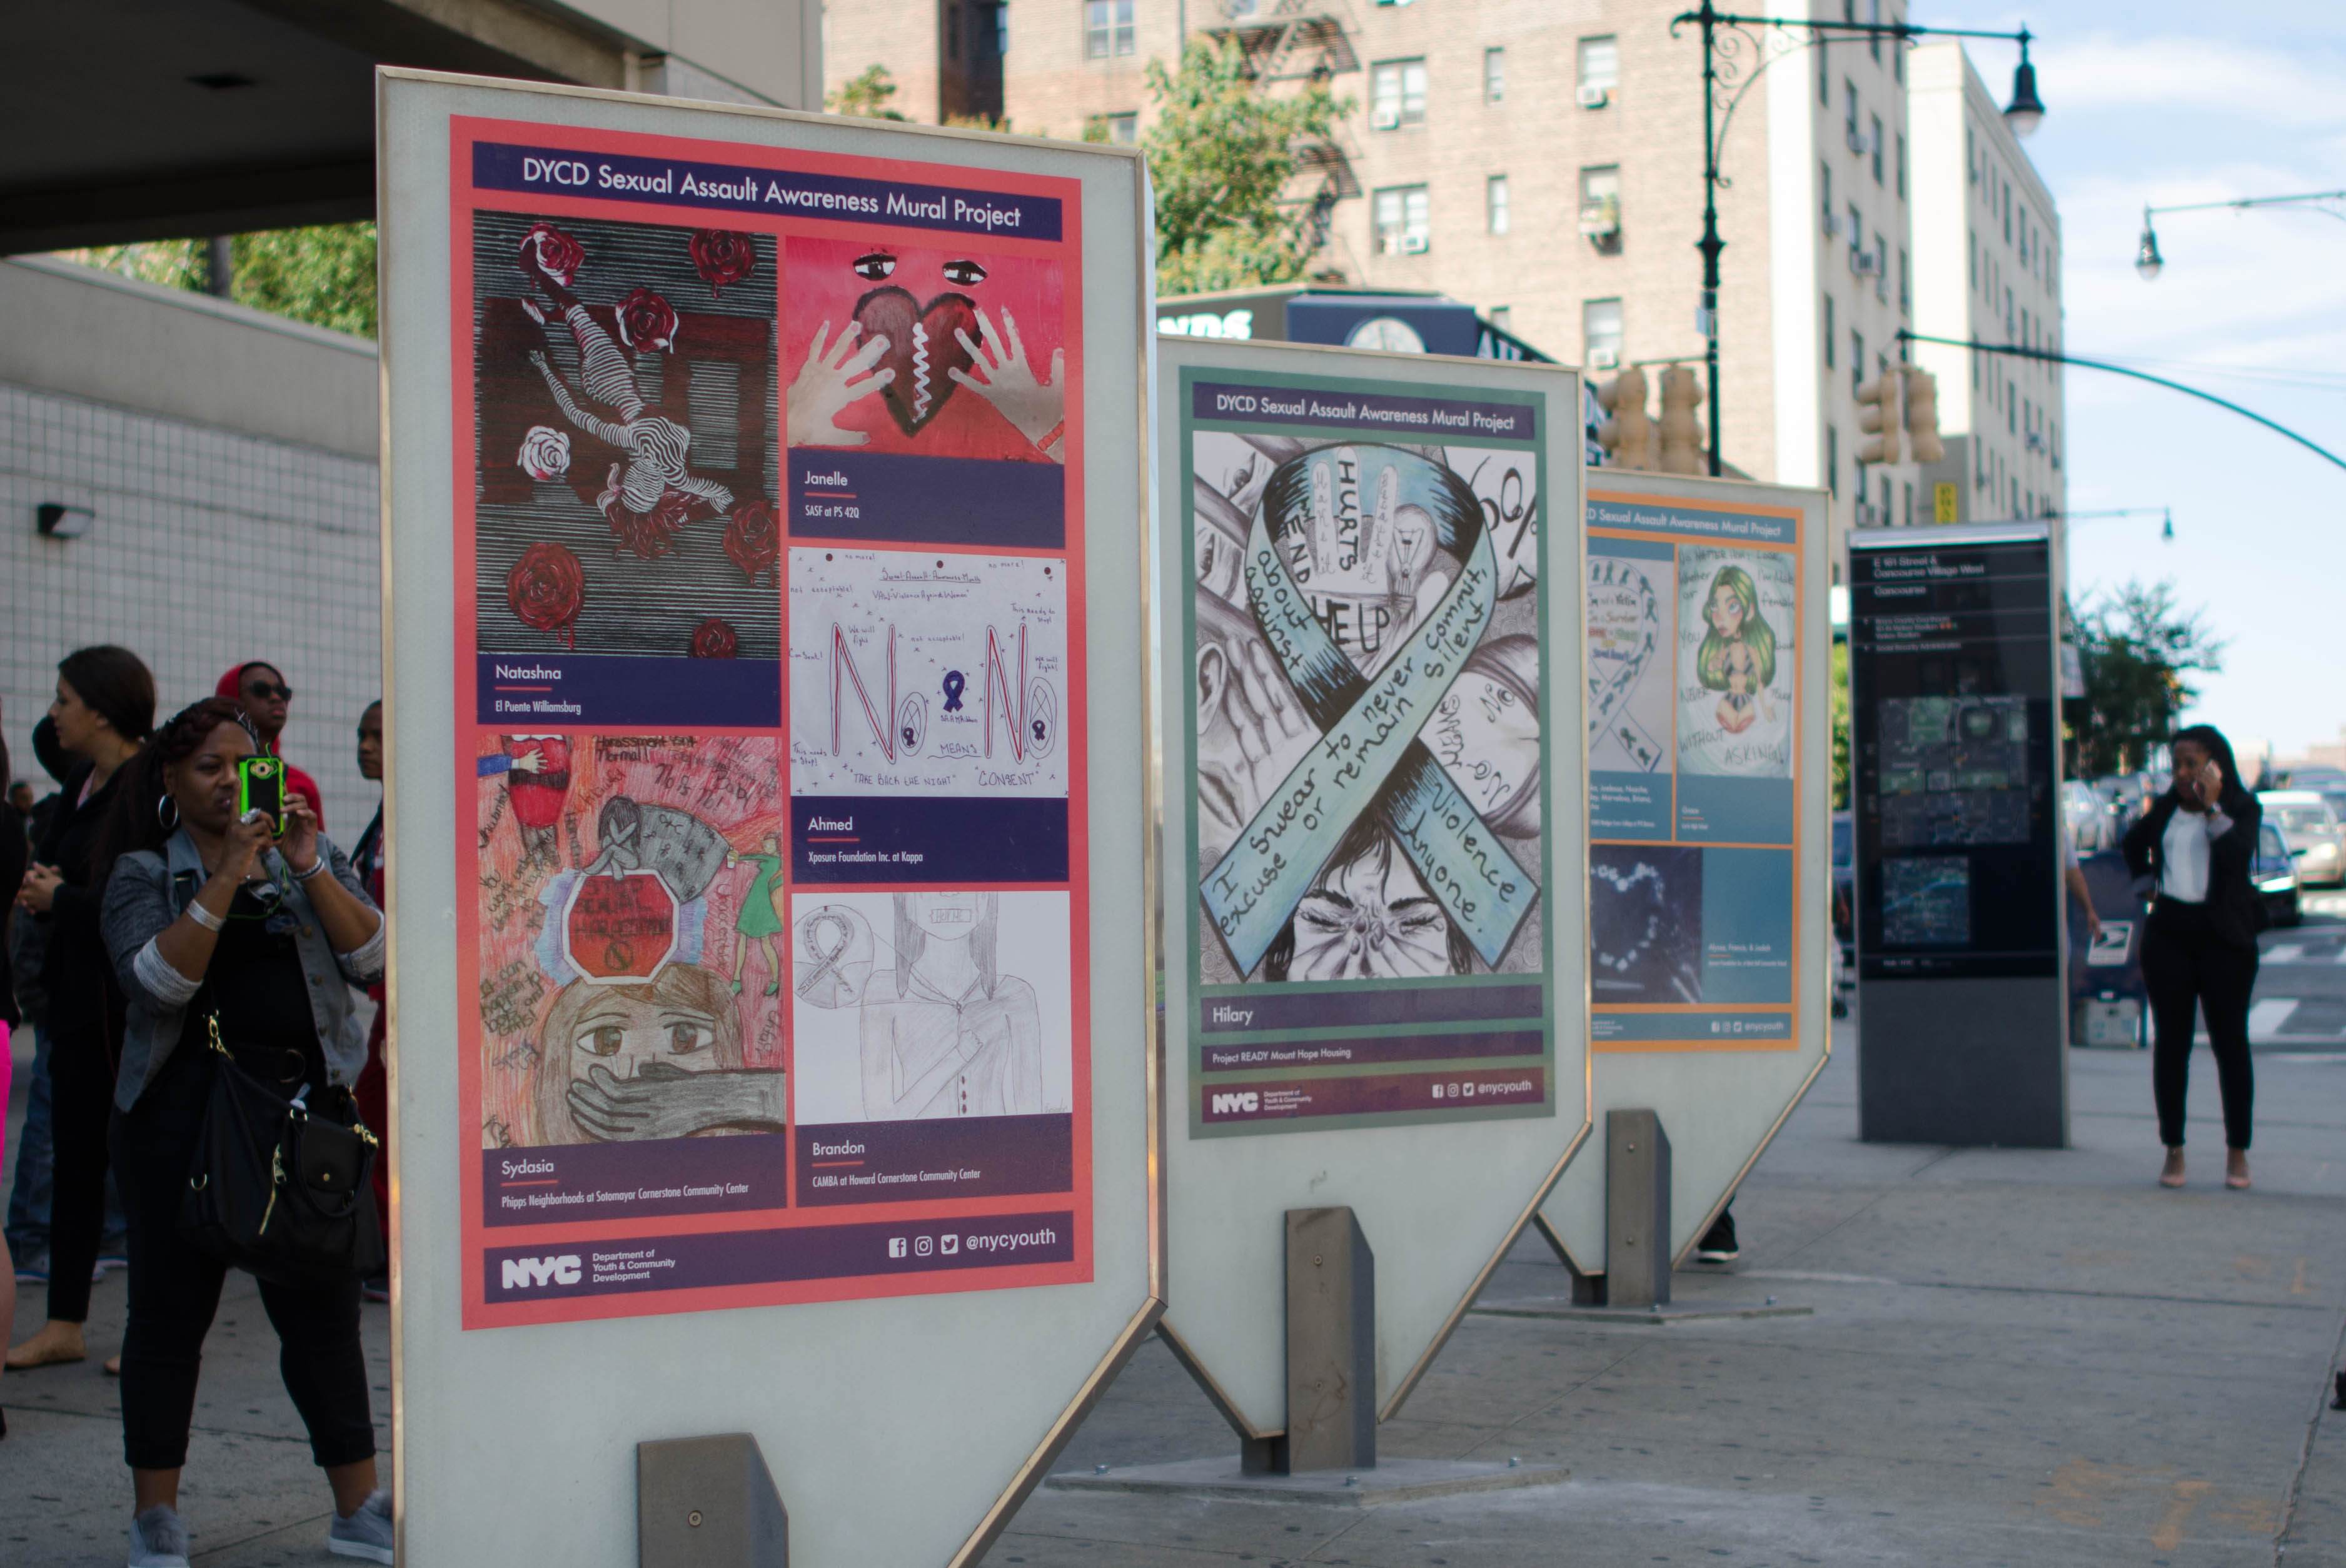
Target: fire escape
1300,41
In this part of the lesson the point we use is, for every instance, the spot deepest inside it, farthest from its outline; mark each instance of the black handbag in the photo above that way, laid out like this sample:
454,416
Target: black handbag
281,1188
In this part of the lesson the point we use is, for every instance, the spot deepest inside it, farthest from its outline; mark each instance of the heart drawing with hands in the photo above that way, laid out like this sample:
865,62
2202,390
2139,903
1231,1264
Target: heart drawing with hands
924,347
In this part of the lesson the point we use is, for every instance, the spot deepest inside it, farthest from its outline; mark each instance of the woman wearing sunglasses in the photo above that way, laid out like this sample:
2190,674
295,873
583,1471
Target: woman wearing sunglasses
259,688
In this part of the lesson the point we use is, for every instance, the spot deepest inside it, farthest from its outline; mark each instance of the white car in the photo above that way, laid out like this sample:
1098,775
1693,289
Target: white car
2315,836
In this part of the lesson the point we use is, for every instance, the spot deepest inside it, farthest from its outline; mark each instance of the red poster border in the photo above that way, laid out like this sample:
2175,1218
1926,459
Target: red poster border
475,1235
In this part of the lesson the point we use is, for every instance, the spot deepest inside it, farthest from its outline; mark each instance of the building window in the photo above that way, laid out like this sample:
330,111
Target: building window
1882,266
1876,145
1600,64
1825,190
2012,408
1397,94
1856,361
1830,334
1974,254
1906,284
1107,28
1494,76
1403,216
1600,206
1873,40
1853,133
1600,333
1121,130
1824,78
1494,203
953,29
1902,165
1832,461
1856,229
1910,503
1002,27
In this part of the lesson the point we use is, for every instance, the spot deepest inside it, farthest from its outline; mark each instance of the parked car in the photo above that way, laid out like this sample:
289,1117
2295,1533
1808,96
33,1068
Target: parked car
2086,816
2274,871
2314,834
1844,907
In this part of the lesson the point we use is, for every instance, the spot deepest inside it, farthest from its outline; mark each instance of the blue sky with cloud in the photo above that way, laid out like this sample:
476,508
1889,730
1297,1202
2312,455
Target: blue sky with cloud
2166,102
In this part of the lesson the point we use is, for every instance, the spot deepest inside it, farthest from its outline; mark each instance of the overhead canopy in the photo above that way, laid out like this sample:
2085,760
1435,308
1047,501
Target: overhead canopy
147,119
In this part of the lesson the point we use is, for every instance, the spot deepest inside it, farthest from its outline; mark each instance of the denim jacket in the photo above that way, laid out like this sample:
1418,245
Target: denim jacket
141,902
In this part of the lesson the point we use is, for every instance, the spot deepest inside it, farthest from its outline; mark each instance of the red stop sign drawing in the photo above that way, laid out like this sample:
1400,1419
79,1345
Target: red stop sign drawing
620,929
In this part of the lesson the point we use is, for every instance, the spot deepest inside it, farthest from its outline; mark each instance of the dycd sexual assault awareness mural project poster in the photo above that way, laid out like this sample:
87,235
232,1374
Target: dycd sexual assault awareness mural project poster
1365,634
772,715
1694,621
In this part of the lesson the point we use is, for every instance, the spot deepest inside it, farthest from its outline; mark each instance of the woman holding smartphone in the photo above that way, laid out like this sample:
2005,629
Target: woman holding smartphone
2194,845
209,916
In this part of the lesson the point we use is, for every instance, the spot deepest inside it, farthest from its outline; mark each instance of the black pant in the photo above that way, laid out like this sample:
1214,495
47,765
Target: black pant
175,1290
2187,969
81,1101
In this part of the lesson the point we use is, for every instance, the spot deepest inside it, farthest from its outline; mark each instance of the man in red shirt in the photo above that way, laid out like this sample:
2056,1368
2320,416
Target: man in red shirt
267,700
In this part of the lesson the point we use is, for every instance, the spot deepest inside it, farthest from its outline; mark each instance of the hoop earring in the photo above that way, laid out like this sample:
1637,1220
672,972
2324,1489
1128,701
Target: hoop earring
166,812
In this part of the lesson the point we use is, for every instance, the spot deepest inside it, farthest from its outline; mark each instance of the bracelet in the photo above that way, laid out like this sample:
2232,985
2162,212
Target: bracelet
315,867
205,918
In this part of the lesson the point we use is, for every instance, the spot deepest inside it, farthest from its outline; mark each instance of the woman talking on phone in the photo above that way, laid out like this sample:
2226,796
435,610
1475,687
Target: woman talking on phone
213,919
2200,946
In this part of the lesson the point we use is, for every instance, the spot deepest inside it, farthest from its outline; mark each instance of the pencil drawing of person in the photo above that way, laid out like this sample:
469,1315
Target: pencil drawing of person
1738,655
944,1033
1367,916
661,1059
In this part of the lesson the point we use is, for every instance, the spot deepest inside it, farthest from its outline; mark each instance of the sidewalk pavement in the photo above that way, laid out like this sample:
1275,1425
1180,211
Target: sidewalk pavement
2015,1357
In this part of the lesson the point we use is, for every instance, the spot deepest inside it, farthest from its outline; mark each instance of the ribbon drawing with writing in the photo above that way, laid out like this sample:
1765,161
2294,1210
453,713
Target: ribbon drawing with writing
1310,529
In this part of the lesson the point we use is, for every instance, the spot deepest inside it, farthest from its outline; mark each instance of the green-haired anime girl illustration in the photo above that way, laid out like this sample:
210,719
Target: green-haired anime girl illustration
1738,655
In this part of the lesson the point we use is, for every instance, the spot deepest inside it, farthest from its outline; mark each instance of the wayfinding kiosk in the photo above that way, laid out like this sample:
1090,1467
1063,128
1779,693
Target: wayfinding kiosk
775,1104
1708,786
1370,669
1955,772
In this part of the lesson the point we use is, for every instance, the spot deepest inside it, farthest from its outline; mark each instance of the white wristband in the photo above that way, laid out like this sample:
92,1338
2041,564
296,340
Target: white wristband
205,918
315,867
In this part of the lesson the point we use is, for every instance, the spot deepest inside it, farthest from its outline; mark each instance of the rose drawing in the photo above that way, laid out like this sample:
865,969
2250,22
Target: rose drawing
545,452
546,588
649,535
646,322
723,256
714,639
752,540
555,253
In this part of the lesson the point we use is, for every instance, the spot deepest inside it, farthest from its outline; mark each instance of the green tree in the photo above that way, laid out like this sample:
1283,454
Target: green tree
866,95
1220,156
323,275
2138,650
1840,725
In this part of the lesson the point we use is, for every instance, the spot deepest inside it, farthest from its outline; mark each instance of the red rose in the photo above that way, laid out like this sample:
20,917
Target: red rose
752,541
723,256
652,533
714,639
555,253
546,588
646,322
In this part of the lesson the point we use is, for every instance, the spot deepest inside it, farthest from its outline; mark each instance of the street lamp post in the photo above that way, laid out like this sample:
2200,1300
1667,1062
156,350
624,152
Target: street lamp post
1723,89
2150,263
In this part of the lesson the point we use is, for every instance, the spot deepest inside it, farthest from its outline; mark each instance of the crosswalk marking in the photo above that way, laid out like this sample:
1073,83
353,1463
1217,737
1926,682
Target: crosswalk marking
2269,1017
2287,952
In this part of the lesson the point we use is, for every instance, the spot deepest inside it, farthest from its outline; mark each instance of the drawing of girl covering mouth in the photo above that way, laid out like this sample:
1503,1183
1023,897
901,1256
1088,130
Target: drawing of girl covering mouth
1738,655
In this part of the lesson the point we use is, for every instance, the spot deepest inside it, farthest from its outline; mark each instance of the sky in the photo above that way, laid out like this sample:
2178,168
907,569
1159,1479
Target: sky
2165,103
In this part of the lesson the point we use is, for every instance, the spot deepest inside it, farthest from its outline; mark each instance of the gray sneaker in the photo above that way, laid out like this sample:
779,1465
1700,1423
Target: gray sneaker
157,1539
366,1534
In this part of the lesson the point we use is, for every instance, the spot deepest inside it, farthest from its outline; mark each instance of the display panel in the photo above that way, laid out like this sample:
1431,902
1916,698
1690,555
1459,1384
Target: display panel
772,718
1952,727
1366,623
1695,612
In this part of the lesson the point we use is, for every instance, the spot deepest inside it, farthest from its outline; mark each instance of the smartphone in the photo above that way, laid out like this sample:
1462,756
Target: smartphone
261,787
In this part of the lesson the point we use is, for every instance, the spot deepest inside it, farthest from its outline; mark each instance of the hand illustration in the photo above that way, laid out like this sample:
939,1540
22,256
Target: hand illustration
1037,409
674,1105
530,761
826,384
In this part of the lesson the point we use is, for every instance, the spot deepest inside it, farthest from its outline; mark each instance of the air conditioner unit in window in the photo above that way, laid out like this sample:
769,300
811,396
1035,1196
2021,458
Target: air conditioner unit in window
1385,117
1833,225
1594,96
1601,220
1865,263
1414,244
1859,142
1604,359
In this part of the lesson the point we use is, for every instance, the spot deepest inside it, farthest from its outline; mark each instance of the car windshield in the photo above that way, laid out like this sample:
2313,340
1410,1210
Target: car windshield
2304,819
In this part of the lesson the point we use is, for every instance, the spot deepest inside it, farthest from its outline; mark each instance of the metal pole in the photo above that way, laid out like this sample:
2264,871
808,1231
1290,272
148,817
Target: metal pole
1711,243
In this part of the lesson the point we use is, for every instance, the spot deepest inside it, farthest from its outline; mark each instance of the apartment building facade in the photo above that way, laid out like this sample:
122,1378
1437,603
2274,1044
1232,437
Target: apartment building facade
1543,161
1988,245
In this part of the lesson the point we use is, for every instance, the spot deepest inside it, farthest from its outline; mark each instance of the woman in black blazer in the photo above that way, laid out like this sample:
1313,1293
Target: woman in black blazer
2194,847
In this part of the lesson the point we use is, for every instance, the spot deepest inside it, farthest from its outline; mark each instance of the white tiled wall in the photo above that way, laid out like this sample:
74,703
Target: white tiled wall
210,548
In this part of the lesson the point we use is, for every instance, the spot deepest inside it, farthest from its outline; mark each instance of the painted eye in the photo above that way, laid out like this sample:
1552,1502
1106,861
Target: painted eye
684,1039
603,1040
875,266
964,274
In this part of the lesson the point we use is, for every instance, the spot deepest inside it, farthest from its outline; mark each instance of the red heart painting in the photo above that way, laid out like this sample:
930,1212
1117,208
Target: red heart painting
921,350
